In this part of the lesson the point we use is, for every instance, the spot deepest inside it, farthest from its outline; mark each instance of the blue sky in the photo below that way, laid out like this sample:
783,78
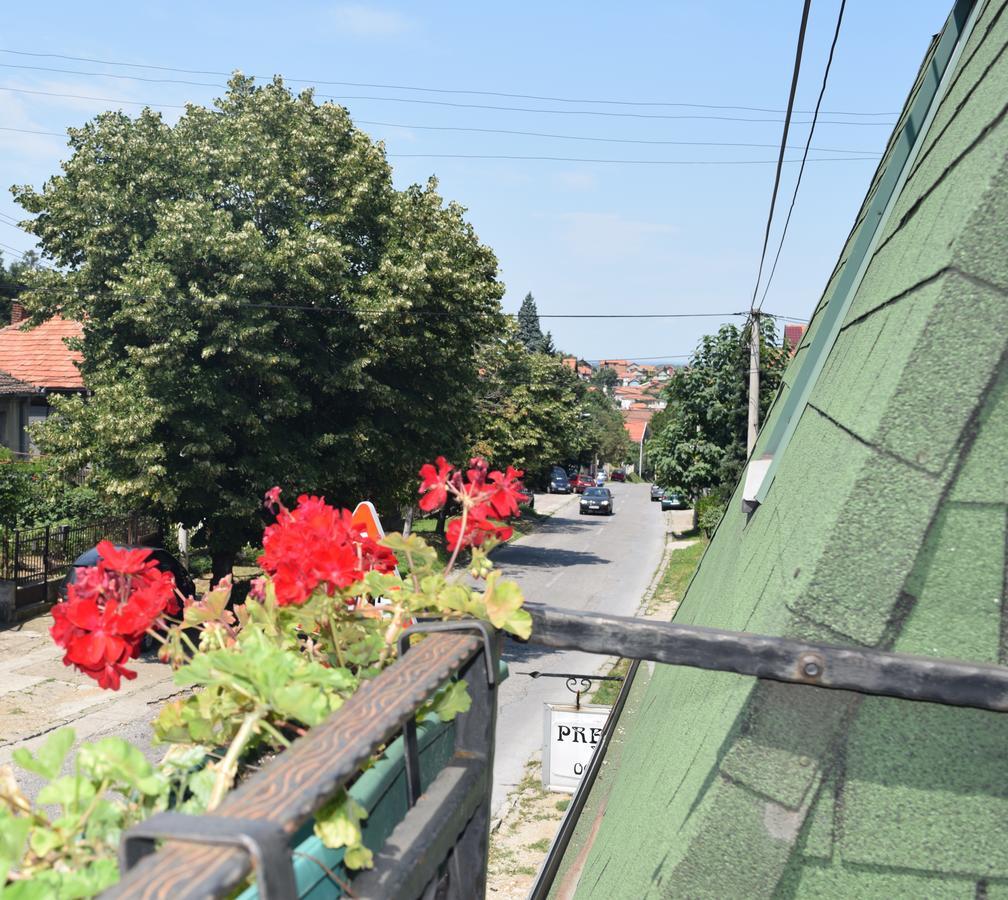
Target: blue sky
584,237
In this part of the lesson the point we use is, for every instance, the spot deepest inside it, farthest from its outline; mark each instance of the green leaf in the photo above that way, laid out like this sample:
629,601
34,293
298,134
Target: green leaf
451,700
337,824
44,840
48,759
13,836
503,605
118,761
72,792
358,857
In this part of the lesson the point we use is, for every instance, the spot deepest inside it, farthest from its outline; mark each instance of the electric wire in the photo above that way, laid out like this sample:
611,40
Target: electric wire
528,109
787,124
403,87
808,142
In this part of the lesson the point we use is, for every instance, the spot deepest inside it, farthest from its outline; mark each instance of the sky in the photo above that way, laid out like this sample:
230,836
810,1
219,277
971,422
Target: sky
677,231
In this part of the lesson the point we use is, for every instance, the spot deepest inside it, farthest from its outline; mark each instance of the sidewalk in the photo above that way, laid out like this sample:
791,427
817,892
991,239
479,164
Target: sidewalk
38,694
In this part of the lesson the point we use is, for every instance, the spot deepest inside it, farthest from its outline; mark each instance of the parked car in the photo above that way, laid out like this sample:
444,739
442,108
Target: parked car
597,500
673,500
165,562
559,483
656,492
581,483
618,475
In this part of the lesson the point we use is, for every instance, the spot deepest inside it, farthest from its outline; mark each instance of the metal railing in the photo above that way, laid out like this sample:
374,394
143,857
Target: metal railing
439,847
34,555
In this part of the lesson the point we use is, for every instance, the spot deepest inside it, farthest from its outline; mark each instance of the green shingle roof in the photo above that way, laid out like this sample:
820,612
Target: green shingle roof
885,526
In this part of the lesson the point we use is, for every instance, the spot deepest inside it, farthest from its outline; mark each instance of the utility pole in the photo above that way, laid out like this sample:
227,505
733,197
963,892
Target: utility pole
754,363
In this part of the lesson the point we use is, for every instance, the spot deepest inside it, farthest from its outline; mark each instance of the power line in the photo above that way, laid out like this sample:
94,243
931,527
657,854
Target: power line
403,87
578,159
638,162
591,138
528,109
787,124
808,142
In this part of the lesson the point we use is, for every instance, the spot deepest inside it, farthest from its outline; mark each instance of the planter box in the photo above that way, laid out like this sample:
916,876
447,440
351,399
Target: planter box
381,790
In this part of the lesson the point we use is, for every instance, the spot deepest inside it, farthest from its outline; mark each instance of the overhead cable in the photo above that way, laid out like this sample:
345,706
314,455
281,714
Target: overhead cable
404,87
787,124
808,143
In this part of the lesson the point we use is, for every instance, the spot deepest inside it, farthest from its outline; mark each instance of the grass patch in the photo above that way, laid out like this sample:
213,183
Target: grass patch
679,566
609,690
562,805
540,846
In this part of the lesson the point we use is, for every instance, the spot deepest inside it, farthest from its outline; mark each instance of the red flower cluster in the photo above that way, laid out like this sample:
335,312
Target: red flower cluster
315,544
108,610
486,496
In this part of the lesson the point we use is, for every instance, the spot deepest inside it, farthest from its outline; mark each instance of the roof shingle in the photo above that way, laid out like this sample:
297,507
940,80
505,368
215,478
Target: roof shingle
40,356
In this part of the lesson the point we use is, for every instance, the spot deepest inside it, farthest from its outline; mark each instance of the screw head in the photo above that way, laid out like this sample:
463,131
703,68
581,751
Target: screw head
812,669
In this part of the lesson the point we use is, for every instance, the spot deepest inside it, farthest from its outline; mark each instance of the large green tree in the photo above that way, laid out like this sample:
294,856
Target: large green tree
602,434
260,306
530,412
699,443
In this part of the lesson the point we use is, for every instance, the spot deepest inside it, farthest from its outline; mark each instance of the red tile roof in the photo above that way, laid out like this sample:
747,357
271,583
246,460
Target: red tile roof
634,421
40,357
792,336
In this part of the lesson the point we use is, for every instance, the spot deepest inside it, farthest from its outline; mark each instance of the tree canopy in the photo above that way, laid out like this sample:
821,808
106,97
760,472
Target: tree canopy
13,281
260,306
530,414
699,442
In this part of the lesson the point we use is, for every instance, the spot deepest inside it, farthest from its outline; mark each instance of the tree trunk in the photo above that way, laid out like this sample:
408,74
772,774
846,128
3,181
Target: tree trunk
222,562
407,521
441,517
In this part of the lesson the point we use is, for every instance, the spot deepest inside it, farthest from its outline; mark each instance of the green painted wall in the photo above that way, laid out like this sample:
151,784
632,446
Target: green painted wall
885,526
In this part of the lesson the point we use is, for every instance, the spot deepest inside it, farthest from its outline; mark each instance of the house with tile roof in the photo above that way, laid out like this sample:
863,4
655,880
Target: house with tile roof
793,332
34,365
873,514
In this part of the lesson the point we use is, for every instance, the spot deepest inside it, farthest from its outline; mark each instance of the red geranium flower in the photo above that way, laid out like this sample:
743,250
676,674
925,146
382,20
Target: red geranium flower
316,545
506,492
107,611
434,484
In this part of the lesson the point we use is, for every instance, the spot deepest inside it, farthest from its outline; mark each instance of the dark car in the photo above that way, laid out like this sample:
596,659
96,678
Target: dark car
597,500
581,483
165,562
559,483
618,475
674,500
656,492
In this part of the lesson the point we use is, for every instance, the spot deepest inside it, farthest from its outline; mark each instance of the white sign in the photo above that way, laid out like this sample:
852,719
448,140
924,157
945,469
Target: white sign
570,736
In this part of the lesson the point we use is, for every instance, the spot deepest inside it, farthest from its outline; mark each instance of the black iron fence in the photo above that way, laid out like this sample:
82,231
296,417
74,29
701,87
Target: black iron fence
35,555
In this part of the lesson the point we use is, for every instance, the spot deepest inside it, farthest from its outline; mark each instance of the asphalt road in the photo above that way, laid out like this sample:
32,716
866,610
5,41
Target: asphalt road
592,563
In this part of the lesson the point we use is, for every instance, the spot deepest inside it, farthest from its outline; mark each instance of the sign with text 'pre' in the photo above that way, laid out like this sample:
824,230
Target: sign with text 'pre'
569,739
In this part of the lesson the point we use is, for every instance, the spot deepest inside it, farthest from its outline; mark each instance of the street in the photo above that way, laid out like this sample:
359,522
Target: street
593,563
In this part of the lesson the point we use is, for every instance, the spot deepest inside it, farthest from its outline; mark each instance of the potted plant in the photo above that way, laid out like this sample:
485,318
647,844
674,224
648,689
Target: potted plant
324,618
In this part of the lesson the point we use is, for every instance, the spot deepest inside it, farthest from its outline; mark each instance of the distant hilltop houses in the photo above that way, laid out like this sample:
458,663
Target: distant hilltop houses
637,391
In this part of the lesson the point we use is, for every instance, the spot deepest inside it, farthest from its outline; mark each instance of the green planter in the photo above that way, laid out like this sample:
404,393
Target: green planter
381,790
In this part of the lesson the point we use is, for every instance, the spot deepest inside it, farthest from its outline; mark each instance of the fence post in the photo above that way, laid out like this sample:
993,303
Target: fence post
17,555
45,556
